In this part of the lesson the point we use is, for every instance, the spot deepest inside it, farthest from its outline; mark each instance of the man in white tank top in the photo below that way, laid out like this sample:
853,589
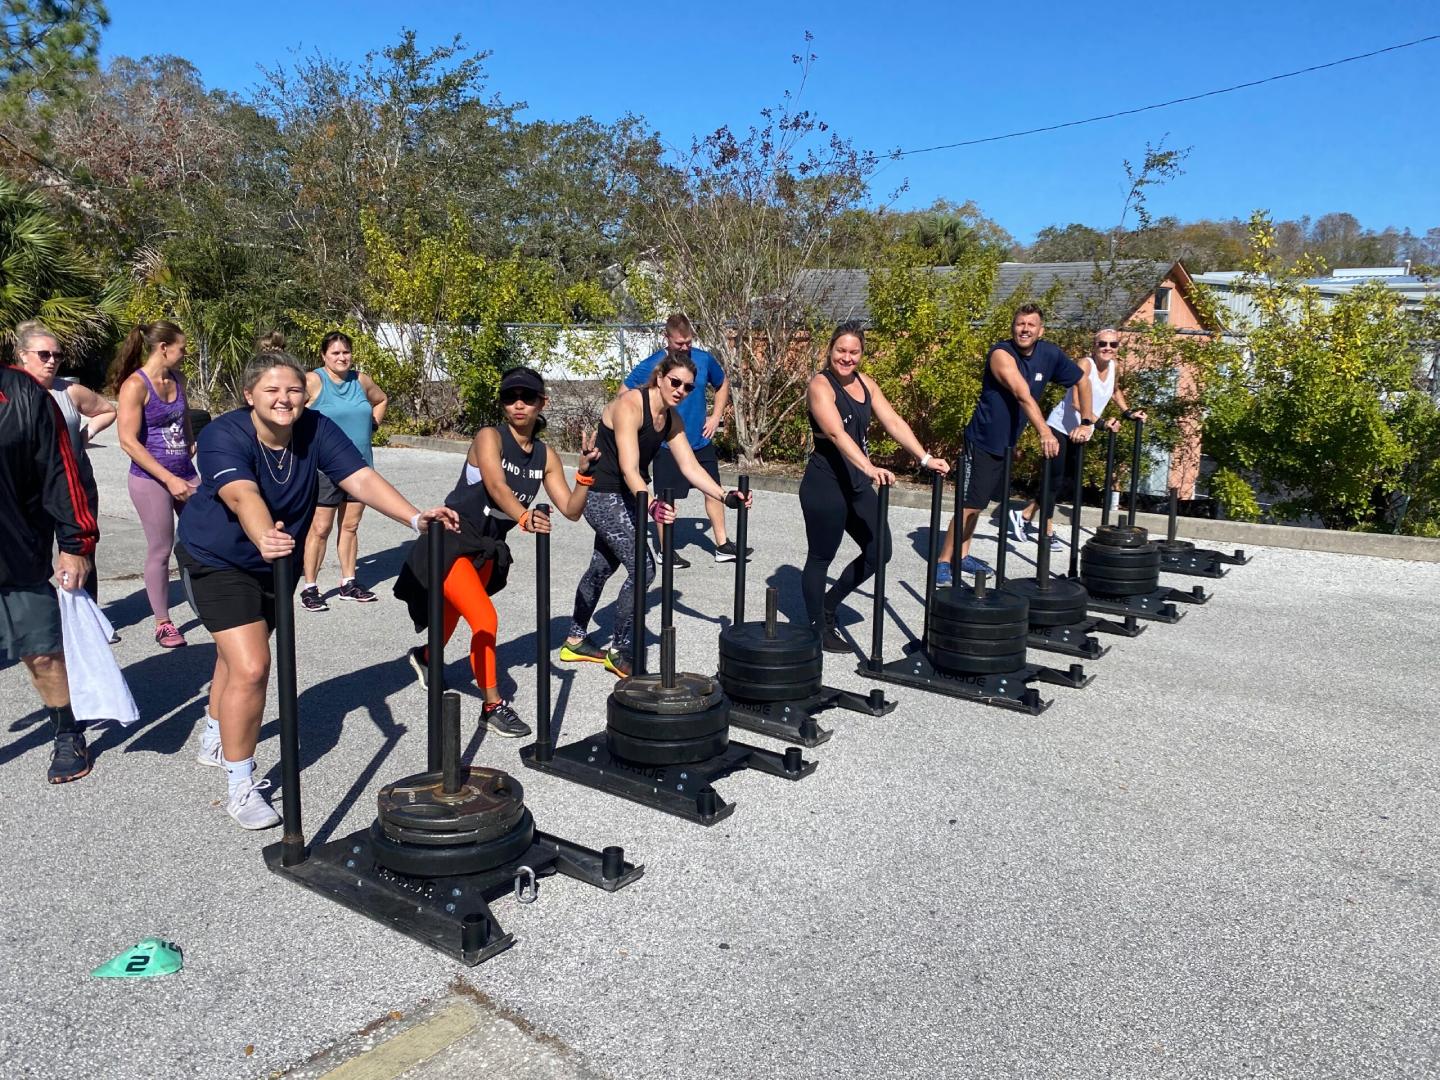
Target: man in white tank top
1065,419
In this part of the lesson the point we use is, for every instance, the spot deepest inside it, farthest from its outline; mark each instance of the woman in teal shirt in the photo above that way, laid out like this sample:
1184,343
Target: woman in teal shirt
357,405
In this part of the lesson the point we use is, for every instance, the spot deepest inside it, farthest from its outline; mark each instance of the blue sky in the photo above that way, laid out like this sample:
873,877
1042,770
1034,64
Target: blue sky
1361,137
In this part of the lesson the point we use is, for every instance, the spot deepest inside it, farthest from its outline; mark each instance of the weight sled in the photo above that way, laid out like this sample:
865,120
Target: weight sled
462,836
772,672
632,759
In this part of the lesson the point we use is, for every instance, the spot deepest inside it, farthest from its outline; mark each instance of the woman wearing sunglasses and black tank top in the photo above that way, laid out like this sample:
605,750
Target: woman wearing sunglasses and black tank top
837,494
632,428
495,493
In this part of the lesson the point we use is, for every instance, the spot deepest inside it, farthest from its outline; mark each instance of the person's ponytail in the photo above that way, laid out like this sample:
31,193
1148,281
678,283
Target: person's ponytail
143,340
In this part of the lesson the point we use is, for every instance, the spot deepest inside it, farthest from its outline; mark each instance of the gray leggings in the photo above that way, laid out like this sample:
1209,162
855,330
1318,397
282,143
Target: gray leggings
612,516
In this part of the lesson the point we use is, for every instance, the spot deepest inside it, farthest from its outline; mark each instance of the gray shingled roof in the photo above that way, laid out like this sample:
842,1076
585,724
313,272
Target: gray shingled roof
841,295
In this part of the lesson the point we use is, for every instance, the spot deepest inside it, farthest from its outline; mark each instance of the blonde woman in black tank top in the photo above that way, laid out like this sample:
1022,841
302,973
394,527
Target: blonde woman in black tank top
631,430
837,494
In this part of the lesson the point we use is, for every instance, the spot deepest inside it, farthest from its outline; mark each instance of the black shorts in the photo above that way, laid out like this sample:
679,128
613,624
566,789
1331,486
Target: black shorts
29,621
987,473
667,474
330,495
226,597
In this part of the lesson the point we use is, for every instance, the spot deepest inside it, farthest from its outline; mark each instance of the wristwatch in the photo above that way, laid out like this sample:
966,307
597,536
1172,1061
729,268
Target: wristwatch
1087,422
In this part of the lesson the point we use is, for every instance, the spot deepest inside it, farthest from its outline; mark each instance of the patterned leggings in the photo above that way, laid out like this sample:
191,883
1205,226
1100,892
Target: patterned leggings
612,516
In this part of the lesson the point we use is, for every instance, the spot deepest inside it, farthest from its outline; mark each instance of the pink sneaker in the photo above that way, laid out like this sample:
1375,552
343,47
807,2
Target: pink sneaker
167,637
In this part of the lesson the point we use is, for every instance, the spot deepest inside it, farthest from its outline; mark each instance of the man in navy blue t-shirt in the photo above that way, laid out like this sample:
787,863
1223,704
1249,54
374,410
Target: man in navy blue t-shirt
699,426
1016,374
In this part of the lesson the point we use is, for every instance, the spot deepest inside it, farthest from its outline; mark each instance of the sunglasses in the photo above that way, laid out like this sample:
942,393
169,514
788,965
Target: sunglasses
46,355
529,397
1107,344
680,384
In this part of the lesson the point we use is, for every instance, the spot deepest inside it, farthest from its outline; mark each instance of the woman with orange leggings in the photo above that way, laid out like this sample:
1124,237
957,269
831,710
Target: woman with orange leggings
503,472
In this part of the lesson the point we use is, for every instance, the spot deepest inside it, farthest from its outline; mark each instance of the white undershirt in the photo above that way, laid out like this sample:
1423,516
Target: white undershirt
1066,417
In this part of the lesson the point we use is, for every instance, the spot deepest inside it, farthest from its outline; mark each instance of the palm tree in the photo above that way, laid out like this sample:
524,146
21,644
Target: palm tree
43,276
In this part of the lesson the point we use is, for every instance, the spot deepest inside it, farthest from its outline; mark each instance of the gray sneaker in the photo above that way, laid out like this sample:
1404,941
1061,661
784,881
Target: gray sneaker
249,807
503,720
210,753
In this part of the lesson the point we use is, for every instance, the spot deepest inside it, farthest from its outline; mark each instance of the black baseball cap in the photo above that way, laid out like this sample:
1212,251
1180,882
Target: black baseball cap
522,378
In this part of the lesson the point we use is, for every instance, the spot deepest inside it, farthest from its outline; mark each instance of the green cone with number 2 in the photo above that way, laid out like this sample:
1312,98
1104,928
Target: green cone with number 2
151,957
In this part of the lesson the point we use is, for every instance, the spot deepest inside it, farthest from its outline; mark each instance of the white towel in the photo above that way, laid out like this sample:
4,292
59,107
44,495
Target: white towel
97,688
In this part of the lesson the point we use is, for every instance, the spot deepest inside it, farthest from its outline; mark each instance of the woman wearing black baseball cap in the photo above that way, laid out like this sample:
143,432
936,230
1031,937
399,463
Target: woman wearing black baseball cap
503,472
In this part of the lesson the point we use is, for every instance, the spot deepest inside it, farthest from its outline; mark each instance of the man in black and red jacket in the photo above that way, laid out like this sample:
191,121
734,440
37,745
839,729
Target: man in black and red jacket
42,503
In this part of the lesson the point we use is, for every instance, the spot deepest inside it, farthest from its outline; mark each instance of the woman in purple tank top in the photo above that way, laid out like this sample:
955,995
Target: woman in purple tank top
154,430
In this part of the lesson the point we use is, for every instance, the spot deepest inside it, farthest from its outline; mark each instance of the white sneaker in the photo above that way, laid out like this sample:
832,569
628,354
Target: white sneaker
209,754
249,808
1017,526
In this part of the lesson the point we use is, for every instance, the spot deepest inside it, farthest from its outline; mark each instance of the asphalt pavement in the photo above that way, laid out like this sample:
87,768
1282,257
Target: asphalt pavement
1216,860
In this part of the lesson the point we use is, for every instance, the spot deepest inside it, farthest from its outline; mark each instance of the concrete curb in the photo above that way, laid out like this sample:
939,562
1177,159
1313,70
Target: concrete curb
1237,533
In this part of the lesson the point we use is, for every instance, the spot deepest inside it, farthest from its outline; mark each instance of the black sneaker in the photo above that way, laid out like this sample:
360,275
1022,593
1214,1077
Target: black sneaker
830,639
416,656
311,600
727,551
353,590
503,720
70,759
677,560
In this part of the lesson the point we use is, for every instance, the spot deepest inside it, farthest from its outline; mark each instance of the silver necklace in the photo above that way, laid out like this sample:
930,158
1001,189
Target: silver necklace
286,468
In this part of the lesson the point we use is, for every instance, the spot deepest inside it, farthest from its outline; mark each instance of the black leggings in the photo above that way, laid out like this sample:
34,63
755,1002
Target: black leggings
612,516
833,509
1059,467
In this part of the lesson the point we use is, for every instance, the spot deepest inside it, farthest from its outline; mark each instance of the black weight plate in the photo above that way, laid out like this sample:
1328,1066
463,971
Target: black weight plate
731,668
488,804
666,726
1109,587
1120,573
978,665
792,644
691,693
1098,555
979,631
745,690
1062,603
667,752
1121,536
971,647
431,839
959,604
417,861
1175,547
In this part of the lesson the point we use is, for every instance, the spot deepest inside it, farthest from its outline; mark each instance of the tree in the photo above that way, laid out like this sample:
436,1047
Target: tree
43,277
745,216
1330,411
44,46
950,234
1070,243
450,312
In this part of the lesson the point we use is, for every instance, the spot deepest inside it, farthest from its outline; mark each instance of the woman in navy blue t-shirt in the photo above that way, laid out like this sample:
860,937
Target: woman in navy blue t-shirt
259,473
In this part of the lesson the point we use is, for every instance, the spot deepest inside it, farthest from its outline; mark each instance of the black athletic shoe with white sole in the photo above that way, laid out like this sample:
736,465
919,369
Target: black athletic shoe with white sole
727,551
678,561
311,600
503,720
353,590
